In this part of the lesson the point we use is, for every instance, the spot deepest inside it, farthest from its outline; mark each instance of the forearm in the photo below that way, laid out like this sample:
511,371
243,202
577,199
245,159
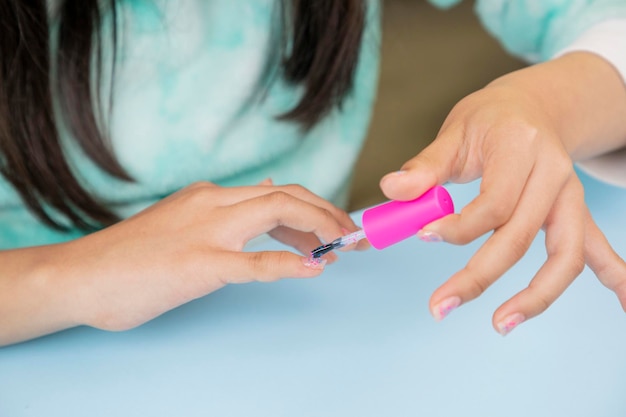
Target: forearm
584,96
35,298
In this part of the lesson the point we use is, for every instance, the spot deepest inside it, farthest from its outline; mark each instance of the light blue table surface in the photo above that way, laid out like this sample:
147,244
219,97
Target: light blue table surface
358,341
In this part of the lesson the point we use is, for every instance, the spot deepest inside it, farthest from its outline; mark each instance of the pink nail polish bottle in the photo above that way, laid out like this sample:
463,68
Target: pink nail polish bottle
394,221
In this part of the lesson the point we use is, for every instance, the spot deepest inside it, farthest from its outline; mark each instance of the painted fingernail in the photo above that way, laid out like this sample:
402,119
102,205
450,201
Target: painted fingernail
314,263
441,310
428,236
394,174
510,322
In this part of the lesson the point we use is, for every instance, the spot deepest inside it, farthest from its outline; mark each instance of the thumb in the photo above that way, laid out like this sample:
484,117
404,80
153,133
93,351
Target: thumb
608,266
266,266
433,166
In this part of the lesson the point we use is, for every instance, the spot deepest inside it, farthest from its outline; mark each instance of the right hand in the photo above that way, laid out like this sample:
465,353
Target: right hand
181,248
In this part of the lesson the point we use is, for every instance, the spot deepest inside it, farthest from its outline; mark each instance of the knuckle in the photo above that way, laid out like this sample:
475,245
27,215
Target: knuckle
426,159
477,282
477,286
519,243
294,189
524,136
462,237
326,215
540,299
478,219
200,186
279,198
576,264
570,256
463,234
528,133
258,263
500,214
262,263
199,192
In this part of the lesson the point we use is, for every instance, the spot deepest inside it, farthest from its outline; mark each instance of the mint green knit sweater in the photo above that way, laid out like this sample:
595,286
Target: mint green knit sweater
186,70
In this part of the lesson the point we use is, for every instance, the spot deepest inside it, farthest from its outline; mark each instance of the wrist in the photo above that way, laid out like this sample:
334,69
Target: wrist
37,298
584,98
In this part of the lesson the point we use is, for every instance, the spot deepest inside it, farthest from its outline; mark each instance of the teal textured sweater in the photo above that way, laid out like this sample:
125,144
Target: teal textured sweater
186,70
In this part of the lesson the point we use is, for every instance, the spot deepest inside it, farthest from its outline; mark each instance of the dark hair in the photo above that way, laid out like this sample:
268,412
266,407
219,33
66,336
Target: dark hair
319,50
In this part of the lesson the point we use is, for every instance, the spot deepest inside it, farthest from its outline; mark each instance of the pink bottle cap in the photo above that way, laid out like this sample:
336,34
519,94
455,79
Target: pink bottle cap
394,221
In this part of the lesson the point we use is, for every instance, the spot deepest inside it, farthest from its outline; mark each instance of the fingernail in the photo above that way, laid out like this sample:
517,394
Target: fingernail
396,173
314,263
428,236
507,325
441,310
393,174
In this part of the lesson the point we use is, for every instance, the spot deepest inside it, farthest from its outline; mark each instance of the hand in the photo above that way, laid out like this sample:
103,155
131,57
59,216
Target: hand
305,241
511,136
181,248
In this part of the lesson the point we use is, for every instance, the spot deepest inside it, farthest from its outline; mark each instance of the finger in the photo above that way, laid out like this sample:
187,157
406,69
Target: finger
250,218
436,164
266,181
565,231
608,266
243,267
304,194
496,202
362,245
505,246
302,241
232,195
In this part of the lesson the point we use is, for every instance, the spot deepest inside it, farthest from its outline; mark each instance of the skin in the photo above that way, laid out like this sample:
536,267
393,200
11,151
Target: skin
521,135
182,248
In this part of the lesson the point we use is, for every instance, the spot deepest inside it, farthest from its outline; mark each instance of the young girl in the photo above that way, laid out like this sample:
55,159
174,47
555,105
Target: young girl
109,110
137,100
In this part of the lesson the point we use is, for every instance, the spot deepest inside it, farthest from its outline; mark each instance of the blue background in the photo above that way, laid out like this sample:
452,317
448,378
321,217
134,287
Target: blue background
358,341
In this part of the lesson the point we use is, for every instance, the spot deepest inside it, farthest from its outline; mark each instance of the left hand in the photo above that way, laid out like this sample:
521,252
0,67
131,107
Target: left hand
518,135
